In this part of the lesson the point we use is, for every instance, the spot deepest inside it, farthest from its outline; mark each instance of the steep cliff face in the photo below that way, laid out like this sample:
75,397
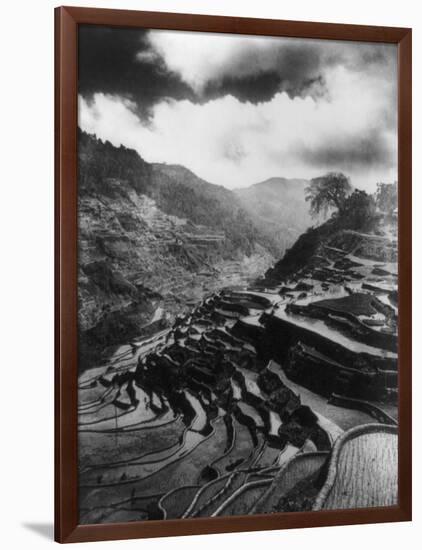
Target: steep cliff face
153,239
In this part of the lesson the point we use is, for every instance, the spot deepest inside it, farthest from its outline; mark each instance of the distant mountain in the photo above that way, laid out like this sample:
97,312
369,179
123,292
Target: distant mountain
278,208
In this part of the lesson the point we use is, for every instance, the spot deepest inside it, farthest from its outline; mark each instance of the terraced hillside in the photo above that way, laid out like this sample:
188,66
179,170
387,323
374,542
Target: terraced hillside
255,398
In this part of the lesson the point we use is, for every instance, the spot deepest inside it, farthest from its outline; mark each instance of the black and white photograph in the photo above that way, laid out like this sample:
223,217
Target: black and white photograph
237,274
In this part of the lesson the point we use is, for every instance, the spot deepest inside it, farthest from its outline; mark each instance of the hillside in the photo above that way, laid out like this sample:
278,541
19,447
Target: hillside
153,239
356,231
278,207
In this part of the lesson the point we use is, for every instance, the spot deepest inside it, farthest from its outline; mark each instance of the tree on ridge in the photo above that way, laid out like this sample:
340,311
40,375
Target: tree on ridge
328,191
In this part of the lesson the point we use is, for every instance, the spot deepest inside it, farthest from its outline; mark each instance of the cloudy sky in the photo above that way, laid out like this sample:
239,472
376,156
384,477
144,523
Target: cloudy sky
239,109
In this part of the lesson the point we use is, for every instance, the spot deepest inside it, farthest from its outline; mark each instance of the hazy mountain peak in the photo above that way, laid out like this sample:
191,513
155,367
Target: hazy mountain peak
280,181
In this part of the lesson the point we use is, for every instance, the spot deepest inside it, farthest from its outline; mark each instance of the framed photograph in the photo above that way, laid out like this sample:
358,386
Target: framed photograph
233,274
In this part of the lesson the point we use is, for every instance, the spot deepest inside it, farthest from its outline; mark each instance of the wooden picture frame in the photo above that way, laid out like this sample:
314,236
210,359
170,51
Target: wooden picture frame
67,20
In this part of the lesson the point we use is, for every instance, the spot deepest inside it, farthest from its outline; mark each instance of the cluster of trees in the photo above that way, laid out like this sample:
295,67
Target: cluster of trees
359,211
100,162
328,192
353,208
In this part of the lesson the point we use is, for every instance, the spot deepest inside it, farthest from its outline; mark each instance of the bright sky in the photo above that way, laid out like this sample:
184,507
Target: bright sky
237,109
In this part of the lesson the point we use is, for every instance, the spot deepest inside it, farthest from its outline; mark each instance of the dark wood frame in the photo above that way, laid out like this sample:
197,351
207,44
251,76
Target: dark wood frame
67,20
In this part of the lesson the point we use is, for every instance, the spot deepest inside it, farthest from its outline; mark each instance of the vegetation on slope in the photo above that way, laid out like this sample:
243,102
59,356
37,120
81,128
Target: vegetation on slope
355,212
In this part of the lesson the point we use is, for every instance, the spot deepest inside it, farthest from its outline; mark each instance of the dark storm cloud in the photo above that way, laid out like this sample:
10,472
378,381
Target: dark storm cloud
251,76
120,62
254,88
127,63
259,88
298,68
